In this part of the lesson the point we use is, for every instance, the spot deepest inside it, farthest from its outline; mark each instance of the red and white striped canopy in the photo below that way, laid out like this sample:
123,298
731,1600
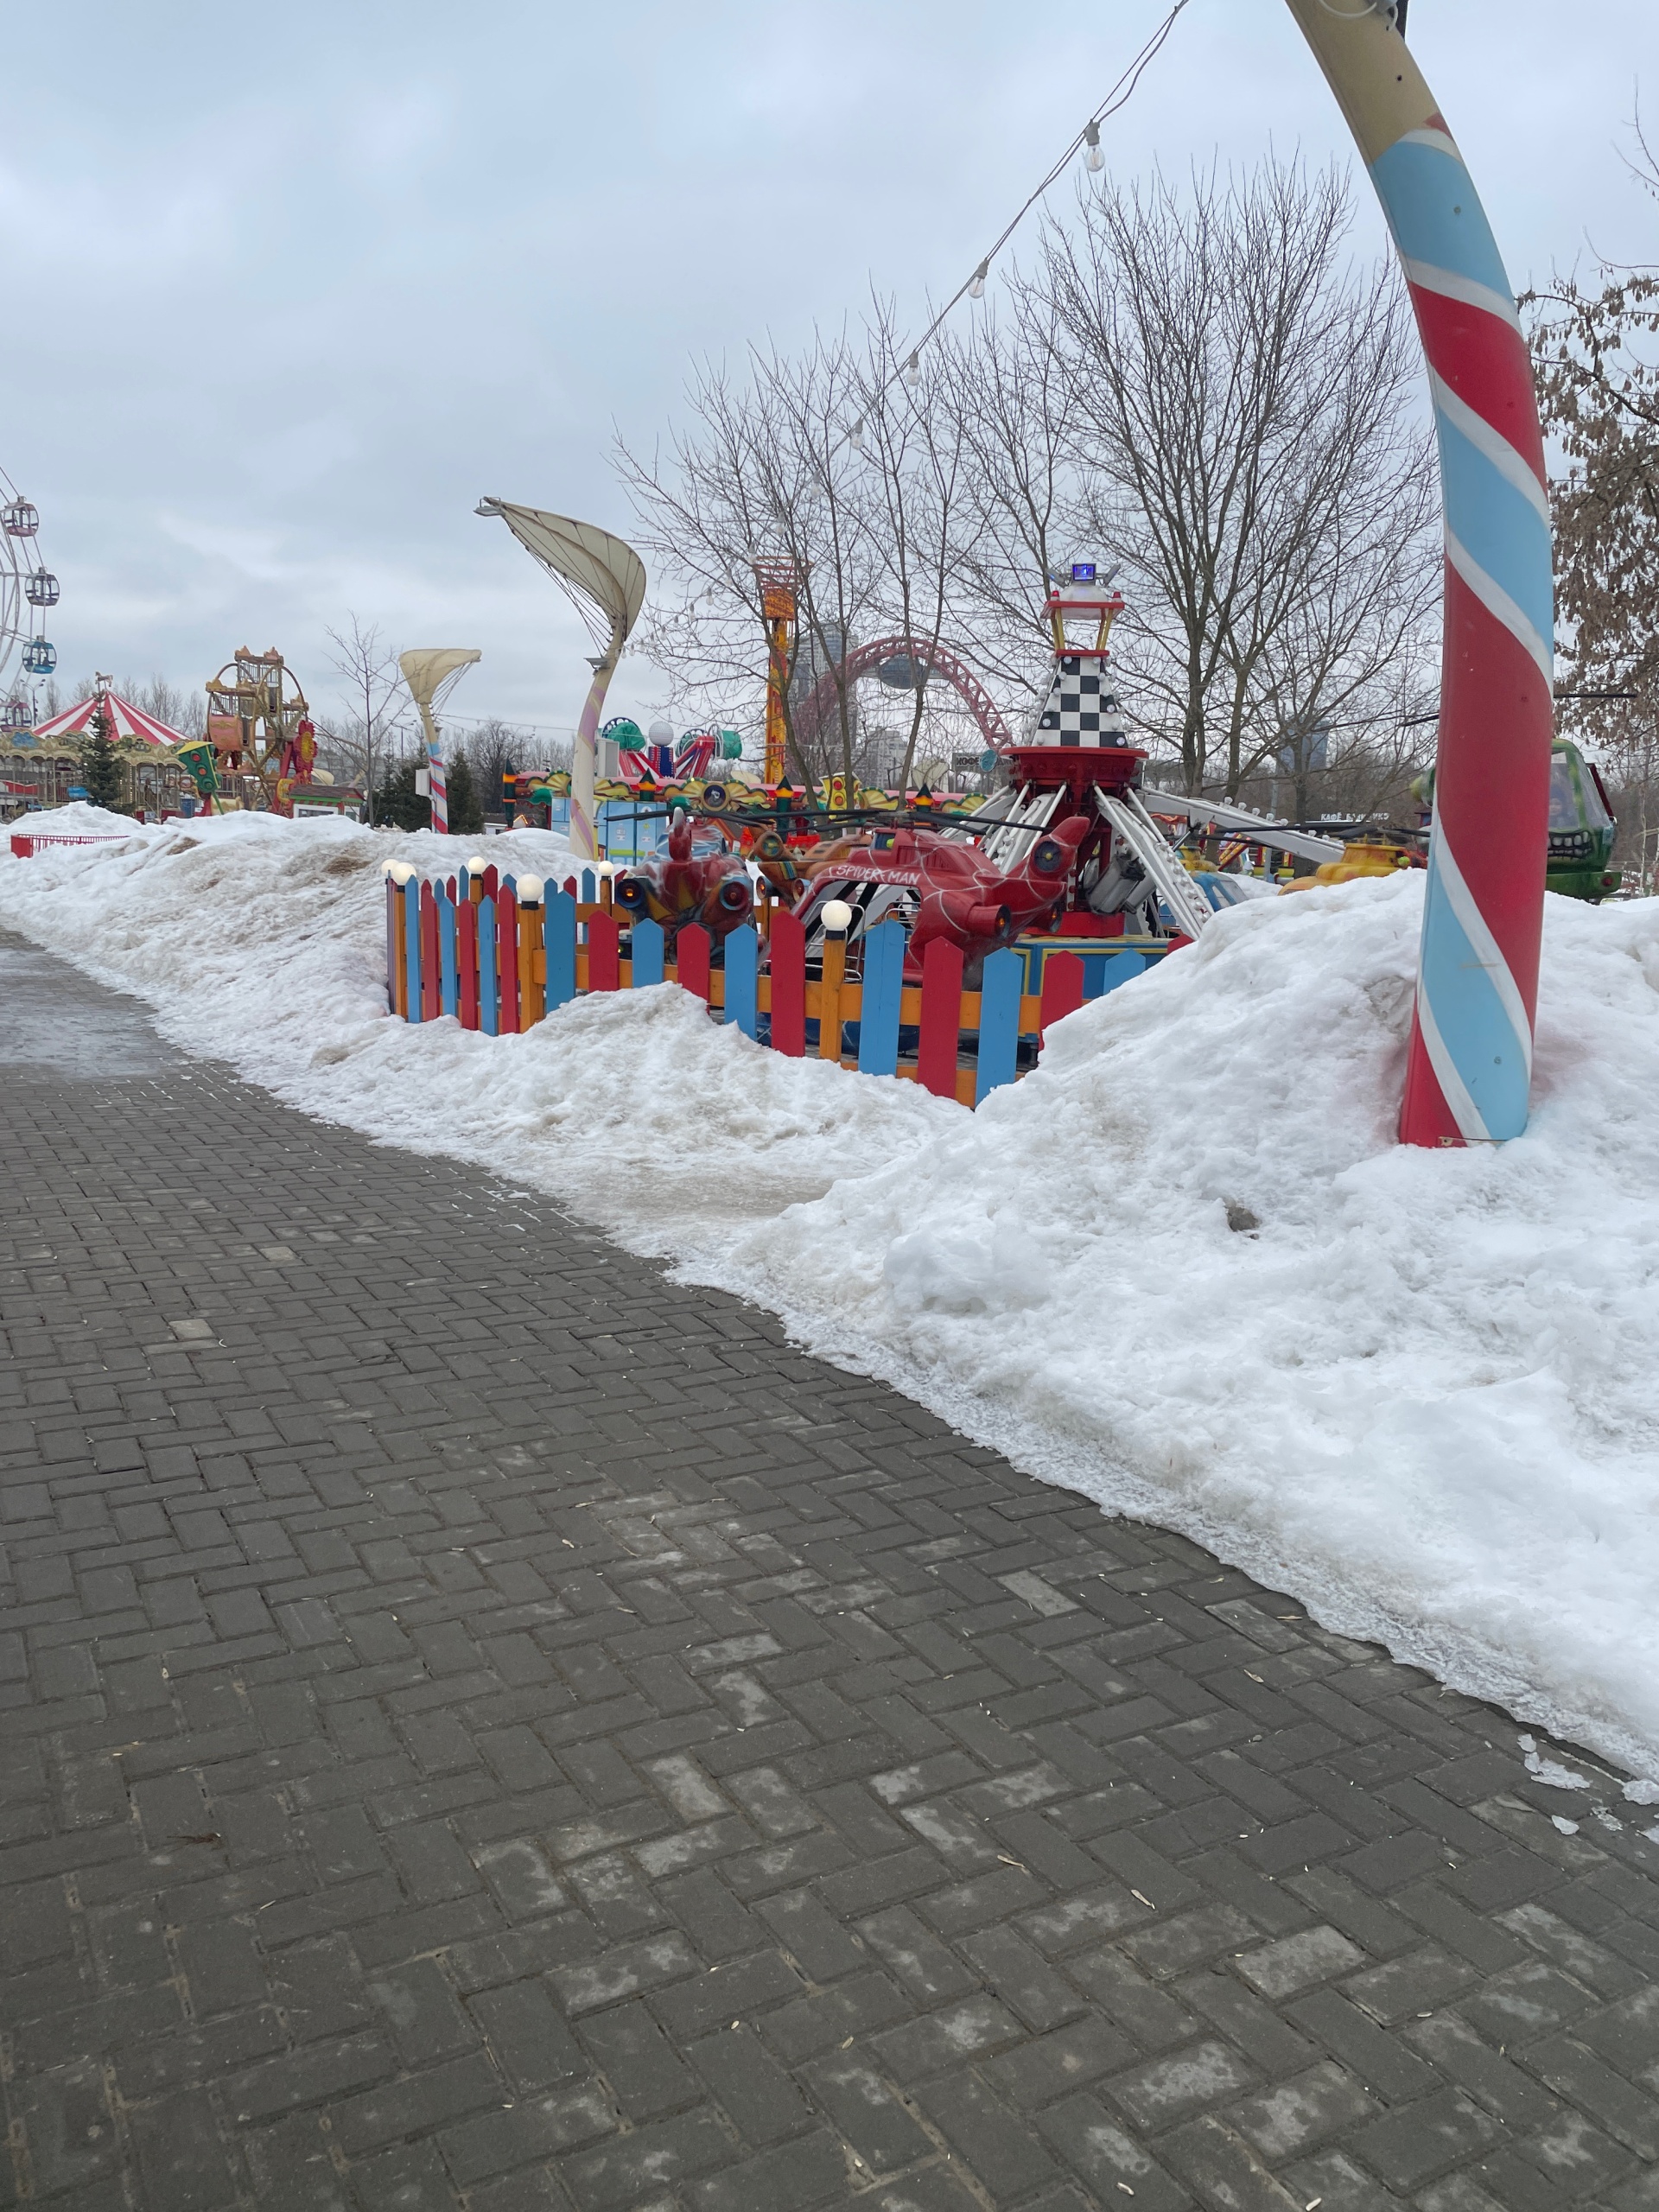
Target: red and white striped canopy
126,721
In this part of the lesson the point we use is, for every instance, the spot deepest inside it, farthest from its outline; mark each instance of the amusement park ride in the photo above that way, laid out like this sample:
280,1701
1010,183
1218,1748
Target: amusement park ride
1076,853
28,590
1070,856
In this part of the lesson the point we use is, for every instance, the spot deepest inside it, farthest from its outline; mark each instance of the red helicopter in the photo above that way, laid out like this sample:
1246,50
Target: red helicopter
943,886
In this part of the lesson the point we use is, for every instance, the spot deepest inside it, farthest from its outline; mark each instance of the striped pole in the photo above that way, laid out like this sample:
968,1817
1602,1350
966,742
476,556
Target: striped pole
1471,1058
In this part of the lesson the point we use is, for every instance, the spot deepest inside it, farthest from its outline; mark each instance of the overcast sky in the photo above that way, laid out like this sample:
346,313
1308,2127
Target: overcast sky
291,288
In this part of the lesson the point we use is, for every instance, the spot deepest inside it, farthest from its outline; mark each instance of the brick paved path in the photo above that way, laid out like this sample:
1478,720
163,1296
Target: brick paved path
485,1728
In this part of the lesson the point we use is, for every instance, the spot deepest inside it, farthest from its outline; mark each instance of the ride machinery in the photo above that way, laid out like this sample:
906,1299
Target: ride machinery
28,590
259,735
776,581
1070,857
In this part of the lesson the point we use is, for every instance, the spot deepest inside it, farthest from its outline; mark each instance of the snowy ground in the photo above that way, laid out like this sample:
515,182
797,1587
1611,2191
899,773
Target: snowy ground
1420,1391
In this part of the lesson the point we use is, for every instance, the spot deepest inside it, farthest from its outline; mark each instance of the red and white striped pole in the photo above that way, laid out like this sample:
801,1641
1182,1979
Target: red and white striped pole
1471,1059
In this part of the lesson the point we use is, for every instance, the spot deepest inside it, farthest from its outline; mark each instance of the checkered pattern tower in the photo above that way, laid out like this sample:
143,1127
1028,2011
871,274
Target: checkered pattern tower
1081,709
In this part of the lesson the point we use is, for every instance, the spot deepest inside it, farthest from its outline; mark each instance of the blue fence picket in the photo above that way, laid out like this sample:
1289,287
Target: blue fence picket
999,1021
589,886
1121,967
412,945
742,963
878,1020
448,974
489,992
561,950
646,939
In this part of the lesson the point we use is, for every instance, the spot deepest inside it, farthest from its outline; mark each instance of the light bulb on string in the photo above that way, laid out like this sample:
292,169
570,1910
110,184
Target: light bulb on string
1094,159
977,283
855,437
912,373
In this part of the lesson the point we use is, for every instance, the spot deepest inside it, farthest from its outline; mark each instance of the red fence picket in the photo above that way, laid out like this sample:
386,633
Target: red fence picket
1063,980
691,958
431,973
603,953
936,1062
506,962
787,964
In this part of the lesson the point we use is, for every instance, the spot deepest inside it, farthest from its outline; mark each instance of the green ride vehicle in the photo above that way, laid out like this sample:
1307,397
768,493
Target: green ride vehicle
1581,826
1581,829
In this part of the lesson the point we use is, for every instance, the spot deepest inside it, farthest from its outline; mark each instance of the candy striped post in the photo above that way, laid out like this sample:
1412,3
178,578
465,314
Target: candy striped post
1470,1058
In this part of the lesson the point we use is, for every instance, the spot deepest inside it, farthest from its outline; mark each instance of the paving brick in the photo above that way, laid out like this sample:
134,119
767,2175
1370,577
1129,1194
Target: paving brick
1005,2155
638,2169
1418,2141
527,2034
1107,2159
1298,1963
1223,2169
867,2110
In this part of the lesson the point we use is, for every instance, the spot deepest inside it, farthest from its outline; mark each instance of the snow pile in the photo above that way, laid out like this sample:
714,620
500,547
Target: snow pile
263,942
1183,1269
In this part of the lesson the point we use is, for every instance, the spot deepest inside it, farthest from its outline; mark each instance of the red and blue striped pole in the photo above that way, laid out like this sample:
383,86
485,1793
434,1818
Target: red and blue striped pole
1471,1059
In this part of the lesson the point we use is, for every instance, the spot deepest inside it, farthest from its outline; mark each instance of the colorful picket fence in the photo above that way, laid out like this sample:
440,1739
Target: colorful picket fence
469,947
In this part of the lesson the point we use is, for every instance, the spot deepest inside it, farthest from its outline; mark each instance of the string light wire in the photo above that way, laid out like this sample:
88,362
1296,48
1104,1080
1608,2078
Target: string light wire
974,286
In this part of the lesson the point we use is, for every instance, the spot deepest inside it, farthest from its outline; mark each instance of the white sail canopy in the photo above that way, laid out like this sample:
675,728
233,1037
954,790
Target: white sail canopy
430,670
602,574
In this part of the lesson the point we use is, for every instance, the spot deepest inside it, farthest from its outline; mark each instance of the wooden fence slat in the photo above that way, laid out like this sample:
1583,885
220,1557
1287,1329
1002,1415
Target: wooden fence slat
999,1022
394,964
431,974
742,965
507,961
691,960
787,967
1062,987
467,961
412,949
878,1019
561,949
448,992
604,954
942,1017
590,891
532,970
492,881
1121,969
647,942
489,1020
831,1010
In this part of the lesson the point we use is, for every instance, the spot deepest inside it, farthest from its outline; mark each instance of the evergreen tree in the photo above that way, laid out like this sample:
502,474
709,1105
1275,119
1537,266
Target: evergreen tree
465,815
398,804
100,764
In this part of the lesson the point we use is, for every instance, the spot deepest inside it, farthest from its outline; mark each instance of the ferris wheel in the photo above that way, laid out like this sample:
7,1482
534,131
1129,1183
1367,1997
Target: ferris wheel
29,591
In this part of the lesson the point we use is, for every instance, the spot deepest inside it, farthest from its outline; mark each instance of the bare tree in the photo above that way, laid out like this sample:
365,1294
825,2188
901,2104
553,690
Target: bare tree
912,493
1241,408
493,746
1023,518
765,469
845,467
377,702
